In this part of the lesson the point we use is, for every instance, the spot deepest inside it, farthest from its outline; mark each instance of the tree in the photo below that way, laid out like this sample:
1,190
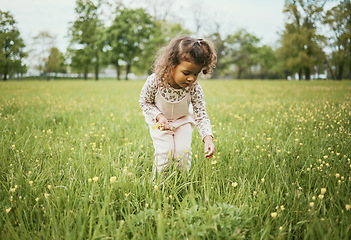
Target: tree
300,51
11,47
86,34
128,35
267,60
242,52
339,20
40,50
55,63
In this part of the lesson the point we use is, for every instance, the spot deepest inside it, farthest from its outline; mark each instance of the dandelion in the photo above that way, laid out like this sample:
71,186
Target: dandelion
314,198
37,199
325,157
311,204
113,179
348,207
323,191
337,175
8,210
320,196
274,214
95,179
282,207
234,184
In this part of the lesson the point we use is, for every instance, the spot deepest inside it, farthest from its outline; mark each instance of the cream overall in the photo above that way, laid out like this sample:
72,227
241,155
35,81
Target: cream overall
173,145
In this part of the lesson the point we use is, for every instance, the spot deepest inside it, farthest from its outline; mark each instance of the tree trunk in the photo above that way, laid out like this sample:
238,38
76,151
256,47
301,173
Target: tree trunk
128,70
307,73
118,71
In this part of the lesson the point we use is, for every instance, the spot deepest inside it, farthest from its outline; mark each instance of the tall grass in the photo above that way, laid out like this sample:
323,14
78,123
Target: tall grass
76,163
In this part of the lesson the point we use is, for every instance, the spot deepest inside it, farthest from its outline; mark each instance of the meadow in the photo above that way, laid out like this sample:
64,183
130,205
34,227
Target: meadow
76,163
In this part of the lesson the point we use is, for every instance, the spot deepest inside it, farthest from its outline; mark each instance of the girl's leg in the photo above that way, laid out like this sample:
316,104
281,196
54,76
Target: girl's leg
164,147
182,146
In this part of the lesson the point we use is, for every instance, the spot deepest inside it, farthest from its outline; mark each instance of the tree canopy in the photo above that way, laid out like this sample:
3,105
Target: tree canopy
11,47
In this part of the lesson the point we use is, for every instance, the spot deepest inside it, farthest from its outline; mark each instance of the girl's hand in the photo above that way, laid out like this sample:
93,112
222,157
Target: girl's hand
210,148
161,119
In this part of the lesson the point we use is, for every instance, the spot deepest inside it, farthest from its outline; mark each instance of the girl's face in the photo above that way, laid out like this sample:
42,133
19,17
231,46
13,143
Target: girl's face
184,74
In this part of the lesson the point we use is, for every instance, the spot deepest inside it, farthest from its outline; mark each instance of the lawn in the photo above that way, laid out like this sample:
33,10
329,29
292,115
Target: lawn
76,163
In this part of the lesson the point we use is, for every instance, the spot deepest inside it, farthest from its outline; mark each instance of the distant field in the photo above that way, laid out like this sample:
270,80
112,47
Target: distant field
76,160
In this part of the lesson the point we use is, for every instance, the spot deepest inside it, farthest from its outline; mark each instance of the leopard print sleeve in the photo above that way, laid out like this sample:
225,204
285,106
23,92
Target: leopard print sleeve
202,120
147,98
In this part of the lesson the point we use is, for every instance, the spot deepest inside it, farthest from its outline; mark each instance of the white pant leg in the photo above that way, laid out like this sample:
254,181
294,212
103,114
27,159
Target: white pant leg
182,146
163,142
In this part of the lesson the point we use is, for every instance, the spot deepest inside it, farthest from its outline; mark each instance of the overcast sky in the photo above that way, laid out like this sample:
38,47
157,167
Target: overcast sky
262,18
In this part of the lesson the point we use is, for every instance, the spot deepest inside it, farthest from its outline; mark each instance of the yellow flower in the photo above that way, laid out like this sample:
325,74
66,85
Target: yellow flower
337,175
89,180
8,210
214,162
95,179
113,179
234,184
13,146
37,199
348,207
155,187
46,195
262,180
323,190
282,207
311,204
49,187
274,214
30,183
320,196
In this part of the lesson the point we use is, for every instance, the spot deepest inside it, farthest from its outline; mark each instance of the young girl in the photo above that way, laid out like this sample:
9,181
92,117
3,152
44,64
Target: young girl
173,101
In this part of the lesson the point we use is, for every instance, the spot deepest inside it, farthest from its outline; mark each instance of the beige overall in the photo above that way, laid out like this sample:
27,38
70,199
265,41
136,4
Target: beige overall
173,145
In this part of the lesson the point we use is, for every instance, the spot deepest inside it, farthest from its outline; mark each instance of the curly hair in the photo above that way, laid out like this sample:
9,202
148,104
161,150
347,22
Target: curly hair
198,51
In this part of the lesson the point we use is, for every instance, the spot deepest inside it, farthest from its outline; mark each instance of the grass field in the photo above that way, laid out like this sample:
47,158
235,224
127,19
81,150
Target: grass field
76,160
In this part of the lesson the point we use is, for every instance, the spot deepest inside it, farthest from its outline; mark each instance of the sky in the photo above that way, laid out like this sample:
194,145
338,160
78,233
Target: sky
262,18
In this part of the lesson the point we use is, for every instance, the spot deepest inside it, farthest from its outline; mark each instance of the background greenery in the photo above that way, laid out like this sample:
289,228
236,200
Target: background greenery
314,44
76,161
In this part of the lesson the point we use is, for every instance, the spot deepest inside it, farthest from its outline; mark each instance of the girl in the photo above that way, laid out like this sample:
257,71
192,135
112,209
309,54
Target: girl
173,102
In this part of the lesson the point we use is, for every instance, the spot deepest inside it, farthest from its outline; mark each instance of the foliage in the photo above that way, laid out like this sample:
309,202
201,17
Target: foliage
127,36
55,63
11,47
301,51
86,32
40,50
74,165
339,20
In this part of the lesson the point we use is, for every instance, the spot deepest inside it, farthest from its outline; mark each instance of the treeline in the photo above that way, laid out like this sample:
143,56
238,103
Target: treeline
128,39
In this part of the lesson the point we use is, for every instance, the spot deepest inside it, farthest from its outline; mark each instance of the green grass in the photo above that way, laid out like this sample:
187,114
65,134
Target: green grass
76,163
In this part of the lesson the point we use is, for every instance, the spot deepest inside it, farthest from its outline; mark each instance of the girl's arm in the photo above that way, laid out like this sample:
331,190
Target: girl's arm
202,120
147,98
